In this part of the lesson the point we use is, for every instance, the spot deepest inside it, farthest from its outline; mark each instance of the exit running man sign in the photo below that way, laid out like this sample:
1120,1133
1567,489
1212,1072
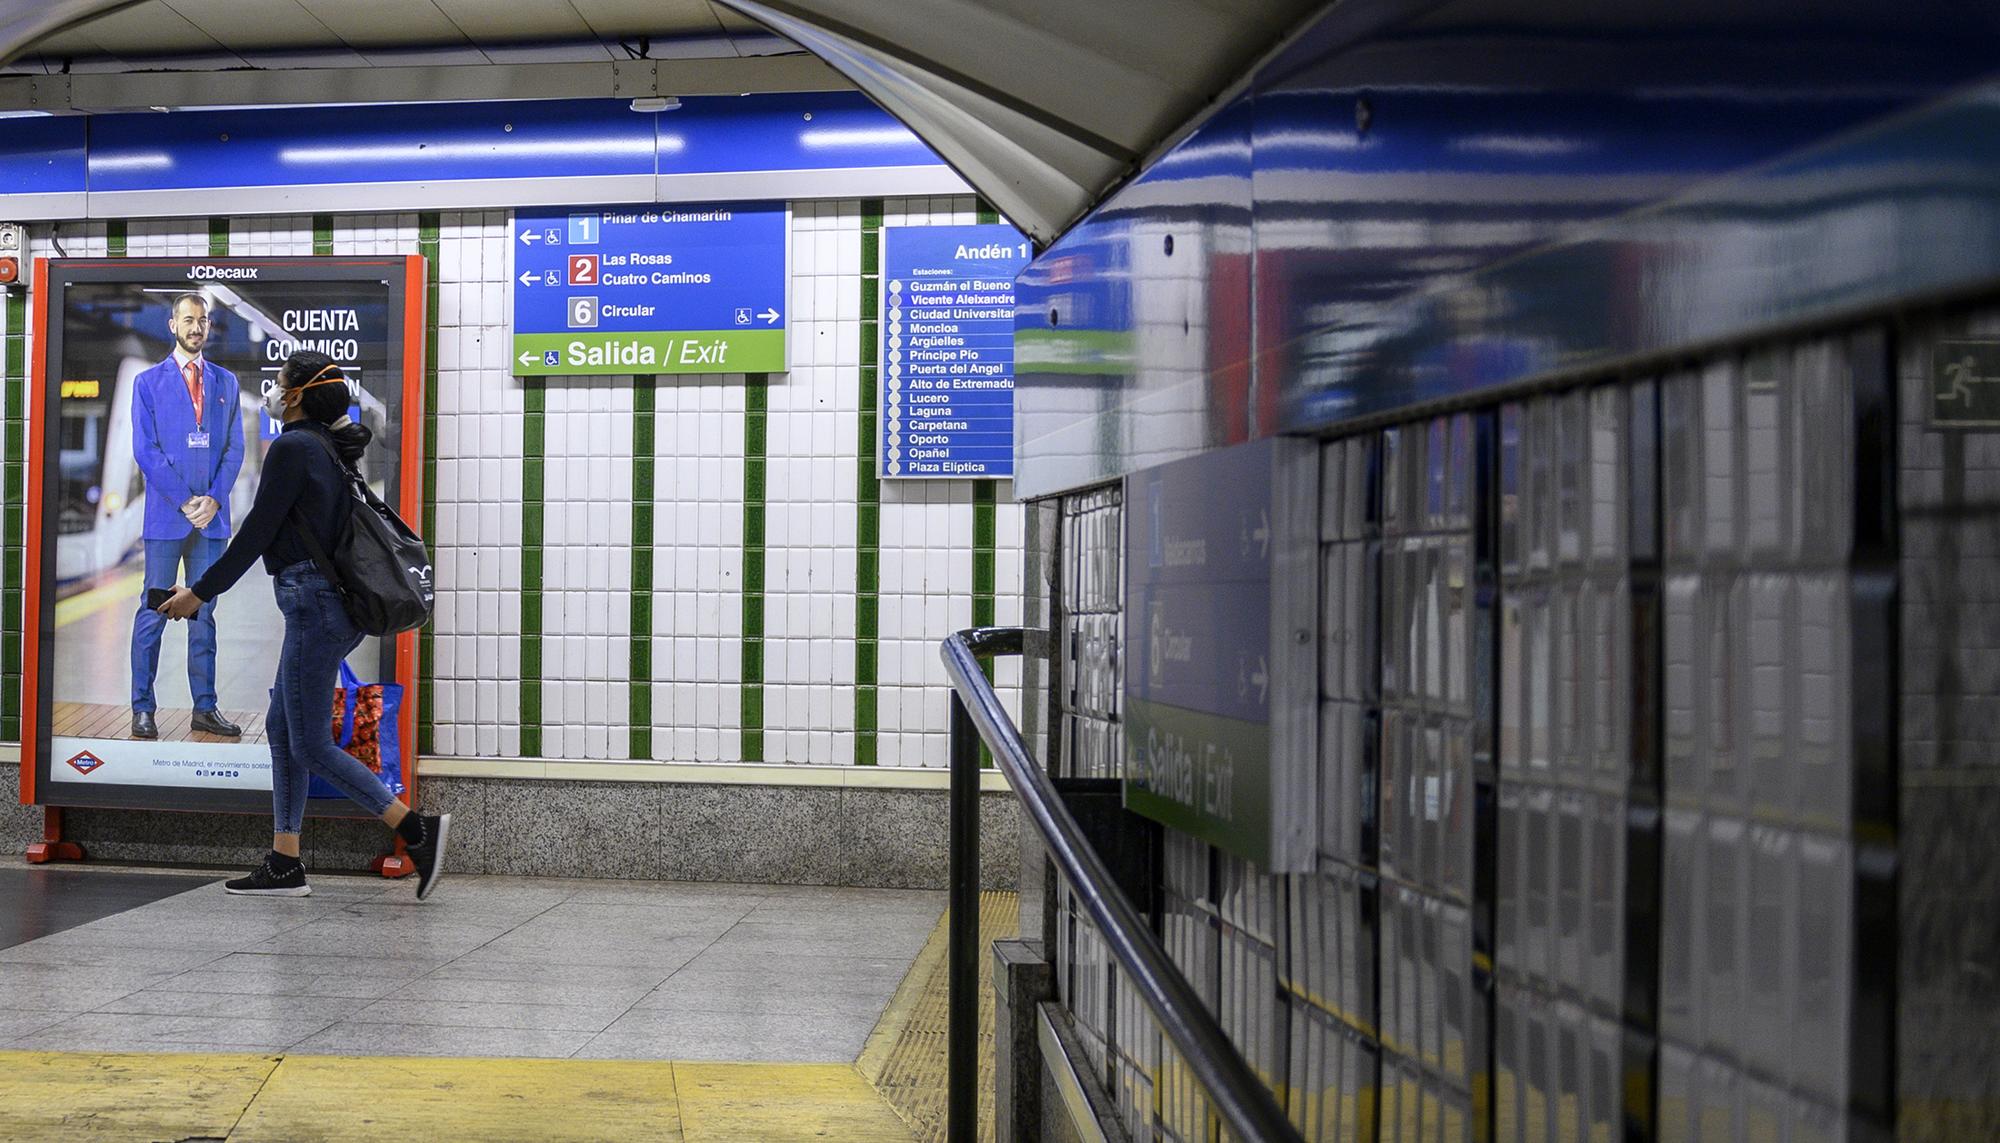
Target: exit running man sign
650,289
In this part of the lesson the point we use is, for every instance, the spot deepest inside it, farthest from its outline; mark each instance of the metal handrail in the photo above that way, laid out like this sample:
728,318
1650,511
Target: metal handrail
1245,1105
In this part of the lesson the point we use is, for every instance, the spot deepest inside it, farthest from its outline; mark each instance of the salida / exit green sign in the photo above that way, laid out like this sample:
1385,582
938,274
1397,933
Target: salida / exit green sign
660,289
748,351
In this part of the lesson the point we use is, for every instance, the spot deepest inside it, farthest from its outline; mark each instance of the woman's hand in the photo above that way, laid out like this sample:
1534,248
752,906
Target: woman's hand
182,604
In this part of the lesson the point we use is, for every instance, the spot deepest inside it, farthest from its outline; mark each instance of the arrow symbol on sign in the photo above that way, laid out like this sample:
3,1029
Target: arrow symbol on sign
528,236
770,316
527,277
526,359
1261,680
1262,535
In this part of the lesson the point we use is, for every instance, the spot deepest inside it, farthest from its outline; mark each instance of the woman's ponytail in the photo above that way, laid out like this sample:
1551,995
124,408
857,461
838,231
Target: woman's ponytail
352,439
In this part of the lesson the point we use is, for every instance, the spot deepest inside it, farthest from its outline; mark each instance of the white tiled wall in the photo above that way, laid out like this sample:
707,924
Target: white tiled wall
812,515
172,238
926,526
811,525
698,568
477,548
277,236
384,234
587,568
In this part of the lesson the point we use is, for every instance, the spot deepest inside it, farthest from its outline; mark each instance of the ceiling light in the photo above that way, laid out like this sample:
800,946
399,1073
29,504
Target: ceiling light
656,103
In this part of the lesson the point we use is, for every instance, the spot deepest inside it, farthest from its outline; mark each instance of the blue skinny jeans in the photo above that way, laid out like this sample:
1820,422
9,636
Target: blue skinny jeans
318,635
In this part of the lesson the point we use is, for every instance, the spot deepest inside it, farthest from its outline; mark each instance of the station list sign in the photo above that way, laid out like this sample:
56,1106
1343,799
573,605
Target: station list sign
947,360
1221,633
680,288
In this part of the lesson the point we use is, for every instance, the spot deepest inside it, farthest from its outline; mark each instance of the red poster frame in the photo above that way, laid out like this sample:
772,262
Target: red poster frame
38,639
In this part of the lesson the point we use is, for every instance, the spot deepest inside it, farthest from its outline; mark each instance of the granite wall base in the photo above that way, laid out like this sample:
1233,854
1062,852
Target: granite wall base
786,835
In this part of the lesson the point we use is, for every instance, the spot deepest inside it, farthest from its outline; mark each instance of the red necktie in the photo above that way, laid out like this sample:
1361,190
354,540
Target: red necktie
192,372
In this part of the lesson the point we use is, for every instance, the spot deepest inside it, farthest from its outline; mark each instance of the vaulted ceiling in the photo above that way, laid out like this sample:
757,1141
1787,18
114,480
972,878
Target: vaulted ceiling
1042,105
347,33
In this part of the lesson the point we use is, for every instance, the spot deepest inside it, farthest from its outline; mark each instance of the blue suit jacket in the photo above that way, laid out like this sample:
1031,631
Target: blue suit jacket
162,421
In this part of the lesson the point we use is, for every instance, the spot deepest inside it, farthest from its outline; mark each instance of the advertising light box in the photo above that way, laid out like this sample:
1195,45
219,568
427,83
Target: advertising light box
115,437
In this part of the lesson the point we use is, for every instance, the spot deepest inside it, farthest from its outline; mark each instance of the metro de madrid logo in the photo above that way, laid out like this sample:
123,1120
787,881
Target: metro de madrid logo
85,762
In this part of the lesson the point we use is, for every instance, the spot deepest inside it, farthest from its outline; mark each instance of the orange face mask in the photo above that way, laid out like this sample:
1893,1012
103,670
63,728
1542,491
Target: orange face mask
275,401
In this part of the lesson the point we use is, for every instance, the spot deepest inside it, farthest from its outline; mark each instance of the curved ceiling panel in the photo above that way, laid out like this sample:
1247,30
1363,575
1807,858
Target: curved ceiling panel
1043,108
23,23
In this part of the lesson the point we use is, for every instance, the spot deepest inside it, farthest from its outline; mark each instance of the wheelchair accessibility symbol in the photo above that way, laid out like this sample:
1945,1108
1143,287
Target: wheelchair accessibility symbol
742,315
551,357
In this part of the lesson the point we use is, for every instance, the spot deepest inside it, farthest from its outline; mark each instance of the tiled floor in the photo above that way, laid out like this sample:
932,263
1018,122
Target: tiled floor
490,966
38,900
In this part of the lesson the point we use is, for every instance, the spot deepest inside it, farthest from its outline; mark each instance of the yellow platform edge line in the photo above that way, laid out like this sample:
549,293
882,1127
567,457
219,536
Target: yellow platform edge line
911,1072
268,1098
903,1005
124,589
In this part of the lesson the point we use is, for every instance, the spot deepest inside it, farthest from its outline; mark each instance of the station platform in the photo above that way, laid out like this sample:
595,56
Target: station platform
502,1008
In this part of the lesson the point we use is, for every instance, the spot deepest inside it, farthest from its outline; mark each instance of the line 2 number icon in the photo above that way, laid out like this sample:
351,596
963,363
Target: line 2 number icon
583,269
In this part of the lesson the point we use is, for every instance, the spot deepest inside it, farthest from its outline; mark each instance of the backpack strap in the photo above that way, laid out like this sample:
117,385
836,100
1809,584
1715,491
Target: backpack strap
319,557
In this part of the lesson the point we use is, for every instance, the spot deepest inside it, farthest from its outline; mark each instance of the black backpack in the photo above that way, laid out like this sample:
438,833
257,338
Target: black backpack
379,566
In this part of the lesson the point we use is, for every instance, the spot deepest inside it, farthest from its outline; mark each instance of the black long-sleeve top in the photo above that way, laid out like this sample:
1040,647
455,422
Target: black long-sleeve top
297,471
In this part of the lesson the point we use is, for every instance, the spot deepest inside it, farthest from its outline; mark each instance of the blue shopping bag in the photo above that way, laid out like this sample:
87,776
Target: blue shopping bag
368,724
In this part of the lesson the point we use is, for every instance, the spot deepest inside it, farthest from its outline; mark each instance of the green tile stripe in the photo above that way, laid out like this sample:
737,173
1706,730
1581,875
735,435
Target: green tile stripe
984,526
983,529
11,531
114,237
983,521
534,434
427,245
323,235
643,493
756,405
218,238
868,530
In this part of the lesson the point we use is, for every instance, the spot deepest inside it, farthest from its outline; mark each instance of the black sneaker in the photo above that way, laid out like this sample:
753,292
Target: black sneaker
428,854
267,881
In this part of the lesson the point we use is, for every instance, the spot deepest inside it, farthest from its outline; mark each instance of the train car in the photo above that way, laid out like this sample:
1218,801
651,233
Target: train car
100,501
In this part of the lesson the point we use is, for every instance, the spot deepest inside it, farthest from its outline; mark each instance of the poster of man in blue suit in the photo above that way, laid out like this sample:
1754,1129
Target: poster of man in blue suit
187,437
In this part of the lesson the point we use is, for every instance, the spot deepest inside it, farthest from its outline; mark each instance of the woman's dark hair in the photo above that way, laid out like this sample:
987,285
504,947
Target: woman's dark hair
325,403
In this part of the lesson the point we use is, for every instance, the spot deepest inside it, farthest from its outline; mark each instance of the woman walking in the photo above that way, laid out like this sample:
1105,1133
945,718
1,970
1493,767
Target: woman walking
304,486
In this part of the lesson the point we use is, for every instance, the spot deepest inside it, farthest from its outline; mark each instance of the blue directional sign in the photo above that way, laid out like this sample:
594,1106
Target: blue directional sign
656,289
947,361
1221,690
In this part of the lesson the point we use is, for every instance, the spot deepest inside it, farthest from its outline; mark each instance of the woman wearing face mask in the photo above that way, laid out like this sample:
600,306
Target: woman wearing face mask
300,475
